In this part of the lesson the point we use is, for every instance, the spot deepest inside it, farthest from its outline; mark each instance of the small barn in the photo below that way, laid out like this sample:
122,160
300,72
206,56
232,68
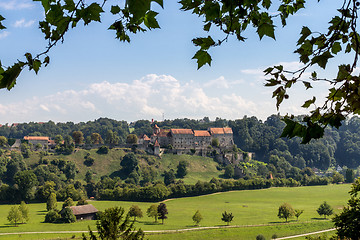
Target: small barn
84,212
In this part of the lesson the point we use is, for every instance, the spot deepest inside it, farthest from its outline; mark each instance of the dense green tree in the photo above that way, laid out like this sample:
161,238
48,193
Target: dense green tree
169,177
260,237
114,224
68,203
3,141
181,169
135,212
227,217
15,216
337,177
229,171
325,209
162,211
78,137
349,175
51,203
111,138
58,139
285,211
197,217
67,215
347,222
96,138
25,150
131,139
52,216
152,211
129,163
26,181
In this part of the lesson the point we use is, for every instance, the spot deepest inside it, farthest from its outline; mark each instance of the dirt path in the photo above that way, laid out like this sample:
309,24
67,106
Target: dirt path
178,230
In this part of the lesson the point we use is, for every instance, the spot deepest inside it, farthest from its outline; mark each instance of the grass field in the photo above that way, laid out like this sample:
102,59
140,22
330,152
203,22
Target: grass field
249,208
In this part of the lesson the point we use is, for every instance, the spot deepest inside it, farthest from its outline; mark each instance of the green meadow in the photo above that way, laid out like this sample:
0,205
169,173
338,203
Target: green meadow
250,208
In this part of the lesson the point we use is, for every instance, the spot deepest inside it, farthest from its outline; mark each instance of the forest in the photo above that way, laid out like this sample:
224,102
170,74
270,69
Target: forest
338,147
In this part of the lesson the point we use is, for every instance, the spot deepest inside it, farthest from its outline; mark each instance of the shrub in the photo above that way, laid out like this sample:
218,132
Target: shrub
52,216
260,237
103,150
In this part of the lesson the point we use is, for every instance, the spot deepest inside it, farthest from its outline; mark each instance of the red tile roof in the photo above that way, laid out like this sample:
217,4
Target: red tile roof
163,132
201,133
182,131
145,137
37,138
220,130
156,144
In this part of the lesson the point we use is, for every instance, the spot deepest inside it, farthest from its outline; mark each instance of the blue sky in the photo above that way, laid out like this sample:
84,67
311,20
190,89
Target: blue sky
93,75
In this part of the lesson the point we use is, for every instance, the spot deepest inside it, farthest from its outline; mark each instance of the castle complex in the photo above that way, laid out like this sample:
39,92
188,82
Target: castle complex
183,140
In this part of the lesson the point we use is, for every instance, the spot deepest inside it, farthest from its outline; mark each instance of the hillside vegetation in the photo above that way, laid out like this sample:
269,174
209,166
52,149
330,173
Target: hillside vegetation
248,207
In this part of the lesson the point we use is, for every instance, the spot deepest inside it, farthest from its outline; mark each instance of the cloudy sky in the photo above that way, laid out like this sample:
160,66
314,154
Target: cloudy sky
93,75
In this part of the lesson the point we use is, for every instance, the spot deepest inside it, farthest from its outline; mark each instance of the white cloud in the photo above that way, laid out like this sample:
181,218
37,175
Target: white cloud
4,34
16,4
147,98
22,23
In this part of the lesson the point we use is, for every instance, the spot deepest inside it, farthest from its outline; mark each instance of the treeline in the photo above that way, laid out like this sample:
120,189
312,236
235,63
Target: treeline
101,126
337,147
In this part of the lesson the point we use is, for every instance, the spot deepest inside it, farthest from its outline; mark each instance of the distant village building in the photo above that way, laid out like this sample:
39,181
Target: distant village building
84,212
184,140
43,140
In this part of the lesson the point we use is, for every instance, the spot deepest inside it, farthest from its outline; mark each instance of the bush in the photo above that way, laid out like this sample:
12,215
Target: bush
260,237
52,216
89,161
103,150
67,215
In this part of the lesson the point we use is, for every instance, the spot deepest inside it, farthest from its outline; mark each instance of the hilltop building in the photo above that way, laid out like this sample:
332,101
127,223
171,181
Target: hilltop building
185,140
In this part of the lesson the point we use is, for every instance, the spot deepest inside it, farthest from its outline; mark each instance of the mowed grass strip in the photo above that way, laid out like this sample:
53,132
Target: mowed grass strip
251,207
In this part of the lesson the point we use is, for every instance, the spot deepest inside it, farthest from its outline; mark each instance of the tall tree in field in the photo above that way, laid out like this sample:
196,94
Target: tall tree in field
135,211
227,217
51,203
111,138
131,139
152,211
297,213
197,218
14,215
162,211
23,208
114,224
325,209
129,163
285,211
78,137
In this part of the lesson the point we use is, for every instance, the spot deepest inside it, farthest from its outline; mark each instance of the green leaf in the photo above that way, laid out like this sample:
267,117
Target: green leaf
150,20
36,65
46,60
138,8
308,103
204,43
207,27
2,26
336,48
305,32
115,9
202,57
266,29
69,5
307,85
92,13
322,59
9,76
343,72
46,5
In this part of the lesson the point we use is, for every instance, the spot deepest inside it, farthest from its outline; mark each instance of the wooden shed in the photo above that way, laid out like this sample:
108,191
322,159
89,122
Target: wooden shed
84,212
